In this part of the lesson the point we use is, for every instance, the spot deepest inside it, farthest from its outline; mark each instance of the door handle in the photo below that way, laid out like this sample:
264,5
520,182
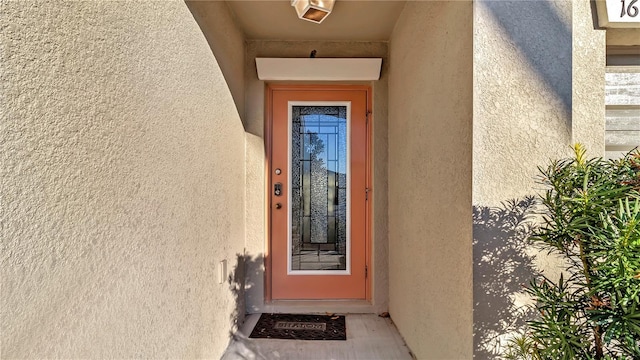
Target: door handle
277,189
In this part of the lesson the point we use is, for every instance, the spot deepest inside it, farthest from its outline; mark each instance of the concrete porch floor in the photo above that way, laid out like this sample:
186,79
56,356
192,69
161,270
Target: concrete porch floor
369,337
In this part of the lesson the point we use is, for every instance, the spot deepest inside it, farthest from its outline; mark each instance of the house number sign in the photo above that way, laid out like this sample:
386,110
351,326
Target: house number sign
630,10
619,13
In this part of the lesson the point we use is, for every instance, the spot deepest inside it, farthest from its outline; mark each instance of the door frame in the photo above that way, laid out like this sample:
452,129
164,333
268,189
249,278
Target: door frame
268,139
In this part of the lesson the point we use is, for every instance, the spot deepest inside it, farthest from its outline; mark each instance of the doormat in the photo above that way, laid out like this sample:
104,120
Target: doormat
300,327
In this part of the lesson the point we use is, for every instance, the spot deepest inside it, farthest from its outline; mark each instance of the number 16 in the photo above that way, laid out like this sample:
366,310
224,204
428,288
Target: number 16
630,10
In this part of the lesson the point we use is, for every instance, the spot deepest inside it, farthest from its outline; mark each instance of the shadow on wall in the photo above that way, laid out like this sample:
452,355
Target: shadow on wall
247,267
503,263
543,37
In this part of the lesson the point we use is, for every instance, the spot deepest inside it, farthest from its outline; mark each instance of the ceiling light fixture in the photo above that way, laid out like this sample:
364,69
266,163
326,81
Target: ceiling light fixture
313,10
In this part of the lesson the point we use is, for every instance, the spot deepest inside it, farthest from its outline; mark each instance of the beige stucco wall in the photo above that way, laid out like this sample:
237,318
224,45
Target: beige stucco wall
255,186
538,88
226,40
120,150
430,123
522,93
588,72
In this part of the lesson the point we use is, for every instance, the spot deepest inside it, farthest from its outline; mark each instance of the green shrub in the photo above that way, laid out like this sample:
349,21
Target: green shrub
592,220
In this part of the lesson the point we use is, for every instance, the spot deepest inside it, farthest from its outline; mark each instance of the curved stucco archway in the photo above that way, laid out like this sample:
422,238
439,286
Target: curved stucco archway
120,150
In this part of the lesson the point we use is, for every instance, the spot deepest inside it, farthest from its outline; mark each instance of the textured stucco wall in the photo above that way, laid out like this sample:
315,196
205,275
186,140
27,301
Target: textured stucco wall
538,88
255,116
588,72
522,94
226,40
430,123
120,151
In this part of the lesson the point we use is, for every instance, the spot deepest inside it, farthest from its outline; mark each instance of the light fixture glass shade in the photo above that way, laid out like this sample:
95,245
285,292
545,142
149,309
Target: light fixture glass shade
313,10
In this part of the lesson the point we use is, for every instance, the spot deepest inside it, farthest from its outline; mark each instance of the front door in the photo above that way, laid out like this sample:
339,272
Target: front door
318,192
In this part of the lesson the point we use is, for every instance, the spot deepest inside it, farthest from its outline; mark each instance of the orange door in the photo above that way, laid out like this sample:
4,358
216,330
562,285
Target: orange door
318,192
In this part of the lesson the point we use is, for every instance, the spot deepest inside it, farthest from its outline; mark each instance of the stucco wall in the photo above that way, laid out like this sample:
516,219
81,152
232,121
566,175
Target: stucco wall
538,88
430,122
588,71
255,95
120,150
522,93
226,40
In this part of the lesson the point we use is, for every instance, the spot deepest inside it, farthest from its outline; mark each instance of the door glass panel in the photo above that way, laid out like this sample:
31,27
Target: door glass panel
319,165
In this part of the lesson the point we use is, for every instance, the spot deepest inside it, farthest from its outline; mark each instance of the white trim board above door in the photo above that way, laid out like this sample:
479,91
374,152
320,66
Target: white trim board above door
319,69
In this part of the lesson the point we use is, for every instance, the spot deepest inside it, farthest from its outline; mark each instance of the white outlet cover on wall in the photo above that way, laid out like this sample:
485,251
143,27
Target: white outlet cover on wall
222,271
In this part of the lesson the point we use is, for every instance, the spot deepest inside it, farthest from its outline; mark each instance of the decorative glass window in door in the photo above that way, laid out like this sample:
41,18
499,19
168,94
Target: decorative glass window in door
319,188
